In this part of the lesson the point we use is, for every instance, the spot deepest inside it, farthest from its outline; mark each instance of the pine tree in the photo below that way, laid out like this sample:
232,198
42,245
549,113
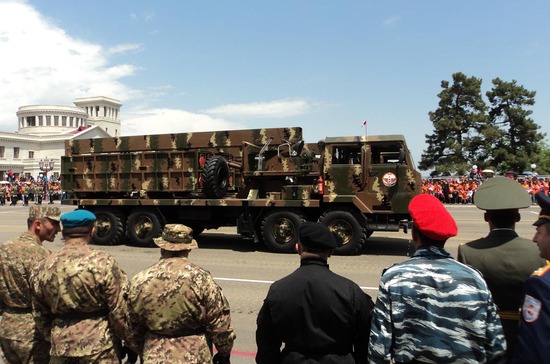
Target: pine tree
460,124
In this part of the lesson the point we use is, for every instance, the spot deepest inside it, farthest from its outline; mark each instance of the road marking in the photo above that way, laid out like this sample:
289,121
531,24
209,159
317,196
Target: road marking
270,282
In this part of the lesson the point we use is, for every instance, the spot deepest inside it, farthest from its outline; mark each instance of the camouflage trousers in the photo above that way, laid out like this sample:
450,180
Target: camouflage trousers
105,357
23,352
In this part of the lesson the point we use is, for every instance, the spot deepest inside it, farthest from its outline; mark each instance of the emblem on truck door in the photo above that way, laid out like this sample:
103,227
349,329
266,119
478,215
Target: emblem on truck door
389,179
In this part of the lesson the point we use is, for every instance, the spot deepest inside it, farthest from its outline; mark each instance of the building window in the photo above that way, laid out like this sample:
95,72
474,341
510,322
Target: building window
31,154
48,120
64,121
40,120
31,121
15,152
2,151
71,121
56,120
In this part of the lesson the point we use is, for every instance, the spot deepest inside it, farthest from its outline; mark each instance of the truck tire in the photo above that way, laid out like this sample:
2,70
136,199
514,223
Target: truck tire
109,227
216,177
280,231
142,227
345,224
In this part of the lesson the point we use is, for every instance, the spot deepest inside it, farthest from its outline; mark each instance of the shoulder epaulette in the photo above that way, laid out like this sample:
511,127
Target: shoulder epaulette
542,271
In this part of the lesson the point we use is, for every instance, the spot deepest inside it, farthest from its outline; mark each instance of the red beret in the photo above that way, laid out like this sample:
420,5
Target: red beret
432,218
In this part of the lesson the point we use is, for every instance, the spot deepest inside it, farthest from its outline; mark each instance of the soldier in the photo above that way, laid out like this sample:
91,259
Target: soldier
32,191
533,341
2,195
20,341
504,259
320,316
431,308
79,297
176,309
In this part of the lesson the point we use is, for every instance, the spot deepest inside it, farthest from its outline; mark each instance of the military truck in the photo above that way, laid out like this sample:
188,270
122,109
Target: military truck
265,182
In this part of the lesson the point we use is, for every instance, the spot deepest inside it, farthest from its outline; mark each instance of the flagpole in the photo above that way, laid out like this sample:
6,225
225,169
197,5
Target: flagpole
365,126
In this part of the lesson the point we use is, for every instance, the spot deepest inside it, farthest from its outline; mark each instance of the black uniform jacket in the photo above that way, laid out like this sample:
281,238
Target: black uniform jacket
320,317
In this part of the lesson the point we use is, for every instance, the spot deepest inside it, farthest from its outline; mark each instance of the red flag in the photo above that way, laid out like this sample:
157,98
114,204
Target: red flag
365,123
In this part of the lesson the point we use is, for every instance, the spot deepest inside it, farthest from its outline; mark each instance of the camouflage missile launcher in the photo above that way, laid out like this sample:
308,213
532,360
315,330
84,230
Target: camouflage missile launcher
263,181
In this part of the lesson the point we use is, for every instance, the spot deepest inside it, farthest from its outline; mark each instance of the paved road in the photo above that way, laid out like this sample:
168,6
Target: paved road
245,270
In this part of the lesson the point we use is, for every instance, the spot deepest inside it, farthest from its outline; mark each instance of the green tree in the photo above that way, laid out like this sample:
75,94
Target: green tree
459,122
518,143
543,168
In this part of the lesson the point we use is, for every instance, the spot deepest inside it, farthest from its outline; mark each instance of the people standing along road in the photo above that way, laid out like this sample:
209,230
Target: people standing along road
432,308
504,259
319,316
176,309
19,339
79,297
534,341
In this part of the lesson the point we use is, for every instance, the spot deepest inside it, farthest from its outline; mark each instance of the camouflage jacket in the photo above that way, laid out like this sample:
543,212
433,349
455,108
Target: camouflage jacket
79,297
17,259
434,309
176,309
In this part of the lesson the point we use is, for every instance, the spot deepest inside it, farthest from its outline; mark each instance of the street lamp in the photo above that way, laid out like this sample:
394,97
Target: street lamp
45,166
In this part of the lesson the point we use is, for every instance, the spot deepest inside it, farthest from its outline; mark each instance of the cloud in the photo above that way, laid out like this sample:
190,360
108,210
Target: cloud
123,48
271,109
164,120
391,21
42,64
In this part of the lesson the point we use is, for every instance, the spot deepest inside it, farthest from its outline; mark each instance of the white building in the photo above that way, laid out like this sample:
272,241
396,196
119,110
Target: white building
43,130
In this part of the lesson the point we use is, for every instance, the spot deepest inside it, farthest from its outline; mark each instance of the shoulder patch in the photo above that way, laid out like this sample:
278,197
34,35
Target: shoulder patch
531,308
542,271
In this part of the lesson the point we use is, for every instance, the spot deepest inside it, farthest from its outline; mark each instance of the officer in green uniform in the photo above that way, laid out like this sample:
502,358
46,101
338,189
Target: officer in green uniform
505,259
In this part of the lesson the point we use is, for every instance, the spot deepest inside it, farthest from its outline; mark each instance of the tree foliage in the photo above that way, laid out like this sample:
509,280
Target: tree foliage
468,132
459,122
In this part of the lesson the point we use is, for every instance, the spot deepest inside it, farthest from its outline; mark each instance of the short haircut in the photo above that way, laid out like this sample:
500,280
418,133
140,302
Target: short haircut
426,241
78,231
503,218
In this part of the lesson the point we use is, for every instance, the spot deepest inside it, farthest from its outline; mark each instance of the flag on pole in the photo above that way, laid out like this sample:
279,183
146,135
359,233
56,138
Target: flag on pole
365,123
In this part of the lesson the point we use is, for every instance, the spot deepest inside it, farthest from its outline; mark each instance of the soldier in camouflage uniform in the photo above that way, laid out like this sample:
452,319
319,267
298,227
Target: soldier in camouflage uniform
176,310
2,195
20,341
431,308
79,297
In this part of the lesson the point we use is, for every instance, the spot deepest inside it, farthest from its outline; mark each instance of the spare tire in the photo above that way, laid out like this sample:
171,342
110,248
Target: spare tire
216,177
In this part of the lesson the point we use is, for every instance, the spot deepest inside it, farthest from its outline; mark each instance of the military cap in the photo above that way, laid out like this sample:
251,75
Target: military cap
77,218
50,212
176,237
432,218
544,203
316,236
501,193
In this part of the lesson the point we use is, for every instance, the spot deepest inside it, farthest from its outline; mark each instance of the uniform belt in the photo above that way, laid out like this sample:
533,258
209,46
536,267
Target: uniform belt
182,334
509,315
82,315
17,309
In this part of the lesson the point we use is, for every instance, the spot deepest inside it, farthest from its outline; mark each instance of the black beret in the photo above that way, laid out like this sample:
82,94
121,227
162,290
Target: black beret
316,236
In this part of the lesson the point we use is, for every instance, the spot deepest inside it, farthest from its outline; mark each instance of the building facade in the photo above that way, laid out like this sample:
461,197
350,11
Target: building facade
43,130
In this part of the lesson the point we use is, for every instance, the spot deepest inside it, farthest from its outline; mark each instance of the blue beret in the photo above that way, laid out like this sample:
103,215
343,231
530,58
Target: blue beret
77,218
316,236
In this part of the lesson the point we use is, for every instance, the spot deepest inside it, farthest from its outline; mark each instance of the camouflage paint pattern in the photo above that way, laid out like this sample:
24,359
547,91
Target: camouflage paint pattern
175,310
77,280
17,258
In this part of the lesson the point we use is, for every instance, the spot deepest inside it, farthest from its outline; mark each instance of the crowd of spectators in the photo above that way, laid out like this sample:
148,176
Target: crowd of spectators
456,190
22,189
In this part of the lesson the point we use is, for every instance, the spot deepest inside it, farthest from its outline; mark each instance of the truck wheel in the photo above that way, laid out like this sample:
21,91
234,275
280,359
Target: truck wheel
216,177
346,226
280,231
143,226
109,227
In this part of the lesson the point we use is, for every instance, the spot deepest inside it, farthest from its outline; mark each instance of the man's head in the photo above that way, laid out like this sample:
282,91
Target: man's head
315,240
43,222
433,224
542,236
176,238
501,198
78,224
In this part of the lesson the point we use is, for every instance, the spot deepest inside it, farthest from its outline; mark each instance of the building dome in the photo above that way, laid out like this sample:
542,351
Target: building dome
50,119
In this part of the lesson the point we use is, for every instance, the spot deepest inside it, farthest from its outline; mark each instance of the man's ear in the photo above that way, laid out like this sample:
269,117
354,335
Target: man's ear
518,217
486,217
298,249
